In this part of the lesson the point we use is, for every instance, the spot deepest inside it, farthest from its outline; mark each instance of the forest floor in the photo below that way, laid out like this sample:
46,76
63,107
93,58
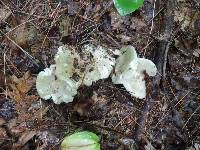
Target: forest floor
164,31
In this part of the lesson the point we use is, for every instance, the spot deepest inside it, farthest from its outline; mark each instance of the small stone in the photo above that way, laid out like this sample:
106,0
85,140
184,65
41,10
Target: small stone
6,109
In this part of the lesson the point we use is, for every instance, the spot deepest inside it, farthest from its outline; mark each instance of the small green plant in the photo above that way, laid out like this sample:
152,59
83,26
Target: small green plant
81,141
125,7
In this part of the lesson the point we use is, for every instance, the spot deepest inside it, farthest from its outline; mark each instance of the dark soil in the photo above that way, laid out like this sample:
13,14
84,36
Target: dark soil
166,32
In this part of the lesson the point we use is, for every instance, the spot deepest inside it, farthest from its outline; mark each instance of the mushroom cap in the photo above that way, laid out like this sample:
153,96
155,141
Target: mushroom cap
101,65
146,65
129,71
49,86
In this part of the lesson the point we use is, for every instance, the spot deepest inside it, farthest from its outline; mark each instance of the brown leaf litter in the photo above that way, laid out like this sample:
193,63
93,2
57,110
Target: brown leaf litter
19,89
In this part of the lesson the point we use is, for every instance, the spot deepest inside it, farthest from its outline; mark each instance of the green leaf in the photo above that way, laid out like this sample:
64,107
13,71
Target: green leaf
125,7
81,141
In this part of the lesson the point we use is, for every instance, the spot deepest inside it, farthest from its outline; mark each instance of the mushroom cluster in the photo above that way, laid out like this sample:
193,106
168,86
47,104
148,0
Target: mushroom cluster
72,69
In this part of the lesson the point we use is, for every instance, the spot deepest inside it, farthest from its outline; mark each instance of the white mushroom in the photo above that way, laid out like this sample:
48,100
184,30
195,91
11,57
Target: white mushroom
62,80
64,62
101,65
129,71
49,86
58,83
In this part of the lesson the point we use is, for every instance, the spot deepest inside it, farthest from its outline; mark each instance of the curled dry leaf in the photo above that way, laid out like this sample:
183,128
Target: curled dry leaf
21,86
19,93
24,35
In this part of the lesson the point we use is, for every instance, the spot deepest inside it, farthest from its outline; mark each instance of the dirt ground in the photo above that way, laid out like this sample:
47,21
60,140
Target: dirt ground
164,31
